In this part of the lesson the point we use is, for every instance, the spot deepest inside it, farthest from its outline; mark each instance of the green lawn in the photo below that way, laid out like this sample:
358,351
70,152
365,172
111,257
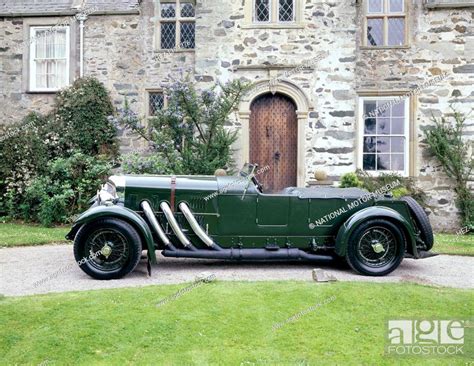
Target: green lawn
21,234
454,244
223,324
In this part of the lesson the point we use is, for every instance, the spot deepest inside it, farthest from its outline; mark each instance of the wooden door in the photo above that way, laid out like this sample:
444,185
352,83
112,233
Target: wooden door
273,140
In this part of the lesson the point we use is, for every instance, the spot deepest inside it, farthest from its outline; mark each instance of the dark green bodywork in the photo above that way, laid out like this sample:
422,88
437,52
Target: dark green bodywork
236,215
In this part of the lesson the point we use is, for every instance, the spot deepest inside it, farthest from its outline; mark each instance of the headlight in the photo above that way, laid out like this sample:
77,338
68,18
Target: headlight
107,193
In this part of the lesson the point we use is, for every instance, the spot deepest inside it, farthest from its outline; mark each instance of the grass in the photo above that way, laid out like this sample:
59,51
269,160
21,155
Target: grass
454,244
13,234
223,324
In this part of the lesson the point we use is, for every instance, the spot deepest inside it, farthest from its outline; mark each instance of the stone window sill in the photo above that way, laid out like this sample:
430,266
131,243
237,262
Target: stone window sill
273,26
375,48
42,91
172,50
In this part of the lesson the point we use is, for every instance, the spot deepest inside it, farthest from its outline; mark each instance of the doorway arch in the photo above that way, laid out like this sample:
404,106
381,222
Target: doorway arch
300,100
273,140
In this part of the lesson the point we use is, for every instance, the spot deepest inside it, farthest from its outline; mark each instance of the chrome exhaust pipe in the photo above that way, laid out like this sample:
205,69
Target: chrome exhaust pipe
174,225
150,215
198,230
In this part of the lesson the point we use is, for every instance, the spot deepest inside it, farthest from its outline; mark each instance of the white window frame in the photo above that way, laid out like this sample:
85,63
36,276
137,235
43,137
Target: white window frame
406,134
32,55
178,19
385,15
274,17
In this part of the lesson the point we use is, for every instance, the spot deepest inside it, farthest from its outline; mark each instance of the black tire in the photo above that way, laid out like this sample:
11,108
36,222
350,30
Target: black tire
422,220
118,238
366,259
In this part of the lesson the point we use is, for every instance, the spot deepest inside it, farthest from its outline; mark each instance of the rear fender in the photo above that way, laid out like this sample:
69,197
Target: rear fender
374,212
119,212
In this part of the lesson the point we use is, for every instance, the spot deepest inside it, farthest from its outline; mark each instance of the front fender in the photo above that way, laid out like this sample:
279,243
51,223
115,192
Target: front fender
122,213
373,212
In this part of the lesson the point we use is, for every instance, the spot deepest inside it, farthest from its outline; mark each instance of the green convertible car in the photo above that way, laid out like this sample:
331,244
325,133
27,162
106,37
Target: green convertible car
224,217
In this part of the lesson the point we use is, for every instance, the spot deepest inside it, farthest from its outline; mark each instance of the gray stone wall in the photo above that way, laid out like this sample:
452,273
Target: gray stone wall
14,102
120,51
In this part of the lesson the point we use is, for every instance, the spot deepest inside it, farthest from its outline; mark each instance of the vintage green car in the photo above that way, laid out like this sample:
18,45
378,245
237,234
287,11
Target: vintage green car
229,217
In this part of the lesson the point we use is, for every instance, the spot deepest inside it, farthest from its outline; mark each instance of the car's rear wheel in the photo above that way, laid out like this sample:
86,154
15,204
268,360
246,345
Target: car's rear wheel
107,249
376,248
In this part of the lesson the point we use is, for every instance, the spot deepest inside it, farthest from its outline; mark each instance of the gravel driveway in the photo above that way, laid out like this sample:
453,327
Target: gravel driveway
21,268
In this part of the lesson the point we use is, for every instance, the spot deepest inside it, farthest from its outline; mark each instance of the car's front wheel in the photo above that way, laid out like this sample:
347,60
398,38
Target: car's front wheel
376,248
107,249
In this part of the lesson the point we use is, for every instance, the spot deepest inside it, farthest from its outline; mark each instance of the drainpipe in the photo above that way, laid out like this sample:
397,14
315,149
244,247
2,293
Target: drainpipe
82,18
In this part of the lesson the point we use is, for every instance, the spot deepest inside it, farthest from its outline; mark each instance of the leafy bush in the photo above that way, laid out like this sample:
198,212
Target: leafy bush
64,189
446,142
81,114
361,179
77,124
407,186
350,180
135,163
189,136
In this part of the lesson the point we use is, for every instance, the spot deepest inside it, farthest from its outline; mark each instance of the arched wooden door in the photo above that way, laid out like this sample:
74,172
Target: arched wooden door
273,140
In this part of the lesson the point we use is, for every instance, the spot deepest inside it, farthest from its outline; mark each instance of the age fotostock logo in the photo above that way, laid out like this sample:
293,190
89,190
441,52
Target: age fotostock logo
426,337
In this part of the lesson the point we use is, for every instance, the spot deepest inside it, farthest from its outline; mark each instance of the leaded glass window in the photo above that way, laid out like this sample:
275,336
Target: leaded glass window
177,24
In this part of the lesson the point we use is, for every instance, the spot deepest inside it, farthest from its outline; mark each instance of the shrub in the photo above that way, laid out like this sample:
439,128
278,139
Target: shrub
64,189
24,154
189,136
407,186
77,124
350,180
81,114
446,142
135,163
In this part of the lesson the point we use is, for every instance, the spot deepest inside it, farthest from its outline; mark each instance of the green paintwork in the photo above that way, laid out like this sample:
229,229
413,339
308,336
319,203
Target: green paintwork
235,214
125,214
371,213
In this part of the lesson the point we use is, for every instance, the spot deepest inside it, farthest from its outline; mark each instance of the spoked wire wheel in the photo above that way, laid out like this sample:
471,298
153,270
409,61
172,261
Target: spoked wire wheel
107,249
376,247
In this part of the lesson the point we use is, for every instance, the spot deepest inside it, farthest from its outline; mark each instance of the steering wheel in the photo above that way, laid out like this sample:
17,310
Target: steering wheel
252,168
255,181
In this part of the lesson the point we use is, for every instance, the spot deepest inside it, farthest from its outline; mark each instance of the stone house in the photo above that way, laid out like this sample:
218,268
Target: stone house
339,84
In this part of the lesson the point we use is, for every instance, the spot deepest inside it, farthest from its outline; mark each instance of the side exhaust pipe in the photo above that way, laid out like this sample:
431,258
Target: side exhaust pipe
198,230
250,254
174,225
150,215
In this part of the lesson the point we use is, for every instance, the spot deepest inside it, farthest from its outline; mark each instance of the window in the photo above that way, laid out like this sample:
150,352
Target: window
156,102
177,24
49,58
384,132
385,23
274,11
